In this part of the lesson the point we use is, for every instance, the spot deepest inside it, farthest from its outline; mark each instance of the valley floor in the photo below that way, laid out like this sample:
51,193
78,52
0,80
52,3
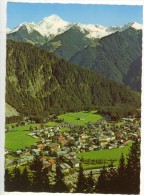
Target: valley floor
71,138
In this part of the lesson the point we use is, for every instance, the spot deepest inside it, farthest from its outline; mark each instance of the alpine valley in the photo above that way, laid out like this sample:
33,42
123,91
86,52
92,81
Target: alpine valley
73,98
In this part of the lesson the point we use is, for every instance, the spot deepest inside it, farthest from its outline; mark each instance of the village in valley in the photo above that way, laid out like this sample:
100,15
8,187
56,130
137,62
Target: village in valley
68,142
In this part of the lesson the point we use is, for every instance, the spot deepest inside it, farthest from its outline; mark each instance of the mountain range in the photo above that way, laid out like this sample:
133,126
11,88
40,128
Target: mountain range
53,25
109,51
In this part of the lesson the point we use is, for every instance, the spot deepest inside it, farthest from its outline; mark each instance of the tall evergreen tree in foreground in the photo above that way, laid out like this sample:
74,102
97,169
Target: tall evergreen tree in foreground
8,180
90,183
45,178
133,169
126,178
60,185
102,183
16,179
81,182
25,181
121,174
37,169
40,181
112,179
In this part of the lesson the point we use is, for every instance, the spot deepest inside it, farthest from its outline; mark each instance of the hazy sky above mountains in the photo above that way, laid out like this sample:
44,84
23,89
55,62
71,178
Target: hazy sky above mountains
106,15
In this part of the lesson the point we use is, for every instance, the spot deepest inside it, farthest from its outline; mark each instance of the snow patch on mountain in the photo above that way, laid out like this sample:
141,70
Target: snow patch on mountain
94,31
8,30
137,26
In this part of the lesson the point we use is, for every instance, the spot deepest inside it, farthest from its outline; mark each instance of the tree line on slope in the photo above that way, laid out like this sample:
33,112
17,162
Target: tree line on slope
122,180
117,112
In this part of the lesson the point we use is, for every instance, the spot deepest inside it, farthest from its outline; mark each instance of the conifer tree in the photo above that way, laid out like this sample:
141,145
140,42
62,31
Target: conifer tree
60,185
8,180
133,168
121,186
90,183
102,183
81,182
112,179
25,181
36,168
45,178
122,166
16,179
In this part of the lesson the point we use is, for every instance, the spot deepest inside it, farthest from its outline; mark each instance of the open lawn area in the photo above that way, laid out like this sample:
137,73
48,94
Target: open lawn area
18,138
107,155
81,118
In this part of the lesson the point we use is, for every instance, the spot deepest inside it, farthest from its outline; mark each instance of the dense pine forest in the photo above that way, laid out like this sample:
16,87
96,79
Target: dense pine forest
39,83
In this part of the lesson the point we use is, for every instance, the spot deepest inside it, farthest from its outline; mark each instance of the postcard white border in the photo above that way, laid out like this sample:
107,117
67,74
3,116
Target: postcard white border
3,7
117,2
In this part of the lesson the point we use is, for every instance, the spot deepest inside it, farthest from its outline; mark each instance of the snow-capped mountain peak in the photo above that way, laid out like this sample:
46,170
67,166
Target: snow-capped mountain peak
49,27
26,25
52,18
134,25
137,26
53,25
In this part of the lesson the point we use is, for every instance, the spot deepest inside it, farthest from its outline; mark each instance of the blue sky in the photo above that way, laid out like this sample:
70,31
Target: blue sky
106,15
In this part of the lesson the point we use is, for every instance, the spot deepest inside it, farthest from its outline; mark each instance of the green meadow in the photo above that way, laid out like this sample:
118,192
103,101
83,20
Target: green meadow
81,118
51,124
106,155
18,138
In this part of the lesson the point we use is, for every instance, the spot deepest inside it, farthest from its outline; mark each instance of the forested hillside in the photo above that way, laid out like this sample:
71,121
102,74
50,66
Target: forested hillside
113,55
68,44
38,83
133,77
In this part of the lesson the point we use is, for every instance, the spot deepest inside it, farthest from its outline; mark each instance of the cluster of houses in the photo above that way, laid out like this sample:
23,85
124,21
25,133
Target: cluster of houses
56,144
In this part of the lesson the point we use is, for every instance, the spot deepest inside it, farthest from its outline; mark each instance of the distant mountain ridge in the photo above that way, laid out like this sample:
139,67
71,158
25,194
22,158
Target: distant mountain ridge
53,25
109,51
110,56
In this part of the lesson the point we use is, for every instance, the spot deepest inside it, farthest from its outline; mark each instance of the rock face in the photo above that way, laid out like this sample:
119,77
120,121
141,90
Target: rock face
10,111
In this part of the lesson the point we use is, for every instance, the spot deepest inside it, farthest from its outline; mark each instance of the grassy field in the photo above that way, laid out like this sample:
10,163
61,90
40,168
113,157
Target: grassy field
107,155
120,123
51,124
18,138
64,129
11,124
81,118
